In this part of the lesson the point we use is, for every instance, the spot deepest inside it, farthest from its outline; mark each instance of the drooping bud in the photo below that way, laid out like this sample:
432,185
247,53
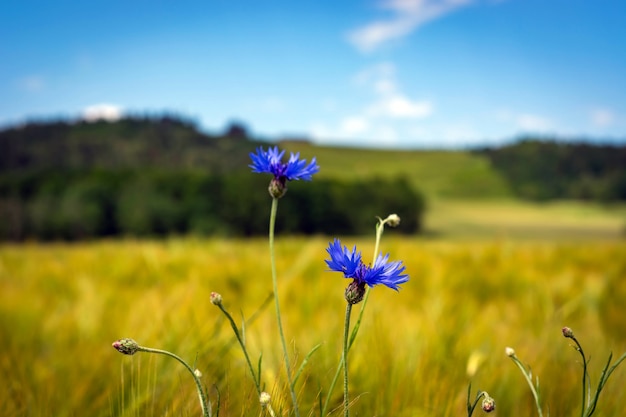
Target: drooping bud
126,346
355,292
278,187
509,352
216,298
393,220
567,332
489,404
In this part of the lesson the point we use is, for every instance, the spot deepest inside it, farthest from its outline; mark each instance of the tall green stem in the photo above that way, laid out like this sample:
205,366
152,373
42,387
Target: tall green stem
201,394
255,378
380,226
277,304
530,383
346,331
579,348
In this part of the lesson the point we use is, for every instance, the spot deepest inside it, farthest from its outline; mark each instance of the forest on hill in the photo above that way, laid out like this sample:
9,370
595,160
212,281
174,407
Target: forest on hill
151,176
539,169
162,176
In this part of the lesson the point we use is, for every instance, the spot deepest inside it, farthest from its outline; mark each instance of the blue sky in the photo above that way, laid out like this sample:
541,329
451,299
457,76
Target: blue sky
380,73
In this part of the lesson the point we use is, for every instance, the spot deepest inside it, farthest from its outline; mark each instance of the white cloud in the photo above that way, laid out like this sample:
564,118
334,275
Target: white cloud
408,15
533,123
353,125
381,120
103,111
602,117
390,101
397,106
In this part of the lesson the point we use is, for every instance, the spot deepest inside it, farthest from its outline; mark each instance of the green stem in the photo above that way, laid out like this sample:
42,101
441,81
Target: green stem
201,394
277,304
380,226
470,406
582,354
530,383
346,401
257,380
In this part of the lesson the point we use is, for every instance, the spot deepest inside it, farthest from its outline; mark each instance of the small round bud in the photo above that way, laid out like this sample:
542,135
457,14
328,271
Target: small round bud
567,332
197,373
216,298
277,187
489,404
393,220
126,346
355,292
264,398
509,352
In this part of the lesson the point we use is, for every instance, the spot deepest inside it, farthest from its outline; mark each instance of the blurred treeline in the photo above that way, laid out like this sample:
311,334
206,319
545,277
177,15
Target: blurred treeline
152,176
542,170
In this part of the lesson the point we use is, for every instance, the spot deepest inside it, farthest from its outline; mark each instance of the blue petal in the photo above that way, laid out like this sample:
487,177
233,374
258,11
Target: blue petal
342,260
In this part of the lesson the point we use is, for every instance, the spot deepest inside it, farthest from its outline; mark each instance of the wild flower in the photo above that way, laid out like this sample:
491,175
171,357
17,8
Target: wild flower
350,264
270,162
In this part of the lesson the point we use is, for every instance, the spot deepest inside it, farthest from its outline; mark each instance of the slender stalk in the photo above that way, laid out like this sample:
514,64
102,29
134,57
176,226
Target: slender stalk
530,383
201,394
579,348
277,304
255,378
346,331
470,406
380,226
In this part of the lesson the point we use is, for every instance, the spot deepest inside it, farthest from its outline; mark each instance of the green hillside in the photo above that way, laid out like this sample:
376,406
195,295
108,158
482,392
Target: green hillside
439,174
468,198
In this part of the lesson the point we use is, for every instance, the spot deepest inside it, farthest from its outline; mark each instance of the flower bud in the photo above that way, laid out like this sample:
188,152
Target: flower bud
393,220
567,332
216,298
197,373
355,292
489,404
509,352
126,346
277,187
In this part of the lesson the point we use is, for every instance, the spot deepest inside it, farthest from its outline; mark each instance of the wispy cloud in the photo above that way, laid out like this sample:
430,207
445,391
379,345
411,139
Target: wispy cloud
407,16
602,117
378,122
532,123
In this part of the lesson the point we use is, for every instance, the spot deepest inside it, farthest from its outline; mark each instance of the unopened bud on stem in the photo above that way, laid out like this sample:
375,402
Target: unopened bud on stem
216,298
126,346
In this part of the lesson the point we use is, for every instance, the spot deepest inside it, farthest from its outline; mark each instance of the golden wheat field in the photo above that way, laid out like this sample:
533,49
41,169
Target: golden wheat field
62,305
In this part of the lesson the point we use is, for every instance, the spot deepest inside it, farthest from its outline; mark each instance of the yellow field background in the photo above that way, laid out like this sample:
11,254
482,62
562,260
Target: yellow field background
62,305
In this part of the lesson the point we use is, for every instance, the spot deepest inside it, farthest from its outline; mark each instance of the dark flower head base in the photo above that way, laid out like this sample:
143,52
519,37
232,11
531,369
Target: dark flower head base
350,264
270,162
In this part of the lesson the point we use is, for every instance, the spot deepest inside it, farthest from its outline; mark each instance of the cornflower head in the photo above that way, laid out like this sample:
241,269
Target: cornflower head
270,162
350,264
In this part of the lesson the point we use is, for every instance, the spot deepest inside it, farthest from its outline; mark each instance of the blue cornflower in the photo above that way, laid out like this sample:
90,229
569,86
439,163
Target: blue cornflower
270,162
350,264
